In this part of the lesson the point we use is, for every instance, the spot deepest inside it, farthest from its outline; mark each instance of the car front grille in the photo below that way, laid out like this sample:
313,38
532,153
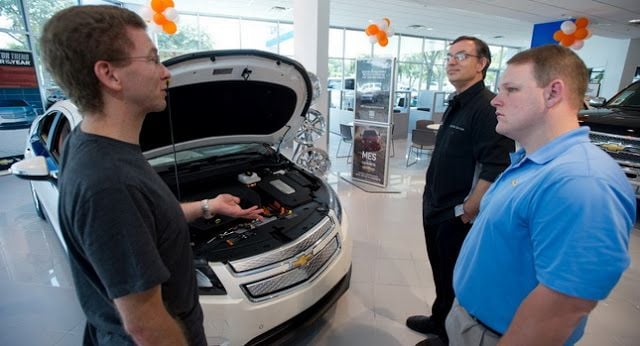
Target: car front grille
323,228
300,272
625,150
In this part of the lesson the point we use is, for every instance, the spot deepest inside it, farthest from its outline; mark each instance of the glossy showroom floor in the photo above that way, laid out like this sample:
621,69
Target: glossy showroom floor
391,275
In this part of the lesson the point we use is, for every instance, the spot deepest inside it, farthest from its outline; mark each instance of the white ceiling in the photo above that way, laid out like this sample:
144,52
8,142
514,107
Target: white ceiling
503,22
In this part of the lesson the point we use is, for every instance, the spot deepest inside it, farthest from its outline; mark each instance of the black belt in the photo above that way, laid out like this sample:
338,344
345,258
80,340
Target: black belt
485,326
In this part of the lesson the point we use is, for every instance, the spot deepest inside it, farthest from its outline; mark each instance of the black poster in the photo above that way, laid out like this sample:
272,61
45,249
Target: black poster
370,144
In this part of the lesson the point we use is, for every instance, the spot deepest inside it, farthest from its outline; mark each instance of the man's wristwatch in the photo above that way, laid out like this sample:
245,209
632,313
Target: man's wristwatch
206,212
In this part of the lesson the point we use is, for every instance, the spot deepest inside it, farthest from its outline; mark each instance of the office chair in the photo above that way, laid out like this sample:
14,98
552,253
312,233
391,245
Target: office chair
347,137
421,140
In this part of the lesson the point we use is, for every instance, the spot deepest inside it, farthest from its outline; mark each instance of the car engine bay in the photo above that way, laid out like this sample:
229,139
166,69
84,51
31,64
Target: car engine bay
292,200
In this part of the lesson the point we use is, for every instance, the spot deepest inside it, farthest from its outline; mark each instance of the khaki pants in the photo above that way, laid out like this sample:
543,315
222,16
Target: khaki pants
464,330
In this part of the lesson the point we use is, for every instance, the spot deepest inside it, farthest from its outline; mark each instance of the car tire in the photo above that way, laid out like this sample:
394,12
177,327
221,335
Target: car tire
36,204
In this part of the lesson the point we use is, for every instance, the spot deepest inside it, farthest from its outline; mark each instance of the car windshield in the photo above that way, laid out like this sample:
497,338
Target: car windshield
629,97
208,152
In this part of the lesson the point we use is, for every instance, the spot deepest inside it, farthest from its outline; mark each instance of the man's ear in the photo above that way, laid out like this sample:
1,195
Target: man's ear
554,92
107,75
483,62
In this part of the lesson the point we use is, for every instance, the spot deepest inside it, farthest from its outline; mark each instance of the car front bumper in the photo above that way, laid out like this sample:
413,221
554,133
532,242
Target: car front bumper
235,320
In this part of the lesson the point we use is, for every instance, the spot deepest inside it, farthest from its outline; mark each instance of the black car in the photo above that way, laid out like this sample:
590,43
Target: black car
615,127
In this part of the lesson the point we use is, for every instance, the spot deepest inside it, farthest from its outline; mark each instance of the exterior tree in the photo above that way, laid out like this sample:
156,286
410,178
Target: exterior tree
38,13
425,66
187,39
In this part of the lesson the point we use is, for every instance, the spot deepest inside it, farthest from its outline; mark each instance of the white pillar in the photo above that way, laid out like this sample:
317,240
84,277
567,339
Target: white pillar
311,49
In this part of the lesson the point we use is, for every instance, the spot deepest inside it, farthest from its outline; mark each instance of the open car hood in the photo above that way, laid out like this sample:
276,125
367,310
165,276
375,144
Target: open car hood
228,96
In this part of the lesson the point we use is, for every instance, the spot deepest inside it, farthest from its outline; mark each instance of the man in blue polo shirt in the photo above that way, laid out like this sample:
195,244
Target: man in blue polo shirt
552,236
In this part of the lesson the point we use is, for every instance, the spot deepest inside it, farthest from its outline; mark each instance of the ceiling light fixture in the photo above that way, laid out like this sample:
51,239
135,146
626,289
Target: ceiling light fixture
416,26
635,21
279,8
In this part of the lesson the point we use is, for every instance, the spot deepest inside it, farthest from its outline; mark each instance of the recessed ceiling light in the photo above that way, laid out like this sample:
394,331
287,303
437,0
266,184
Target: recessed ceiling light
279,8
429,29
635,21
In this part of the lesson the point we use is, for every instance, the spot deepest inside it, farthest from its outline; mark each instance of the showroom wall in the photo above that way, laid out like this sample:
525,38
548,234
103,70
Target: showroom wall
619,59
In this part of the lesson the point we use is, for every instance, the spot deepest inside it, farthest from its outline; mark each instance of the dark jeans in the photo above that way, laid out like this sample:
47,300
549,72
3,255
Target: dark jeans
444,241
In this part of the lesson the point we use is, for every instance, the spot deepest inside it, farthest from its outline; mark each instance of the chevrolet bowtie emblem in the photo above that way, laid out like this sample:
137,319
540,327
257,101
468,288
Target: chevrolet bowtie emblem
301,261
612,147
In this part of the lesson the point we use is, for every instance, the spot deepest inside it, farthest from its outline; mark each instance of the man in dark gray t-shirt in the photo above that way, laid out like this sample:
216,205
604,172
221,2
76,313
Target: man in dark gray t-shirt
121,201
126,233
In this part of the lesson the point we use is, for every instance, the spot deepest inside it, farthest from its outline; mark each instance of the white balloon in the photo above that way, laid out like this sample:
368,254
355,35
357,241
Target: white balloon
146,13
577,45
390,32
154,28
568,27
382,24
170,13
373,39
176,19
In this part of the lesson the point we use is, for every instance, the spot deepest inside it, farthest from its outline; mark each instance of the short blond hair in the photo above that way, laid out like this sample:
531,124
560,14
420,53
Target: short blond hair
556,62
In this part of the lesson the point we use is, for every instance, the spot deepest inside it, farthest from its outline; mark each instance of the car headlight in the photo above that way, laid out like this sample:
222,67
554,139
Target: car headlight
208,282
334,202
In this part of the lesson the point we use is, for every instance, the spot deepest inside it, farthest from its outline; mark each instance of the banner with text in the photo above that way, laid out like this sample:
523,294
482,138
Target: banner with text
374,87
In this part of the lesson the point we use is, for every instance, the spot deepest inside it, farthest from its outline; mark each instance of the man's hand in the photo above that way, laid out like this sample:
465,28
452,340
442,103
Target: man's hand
471,206
229,205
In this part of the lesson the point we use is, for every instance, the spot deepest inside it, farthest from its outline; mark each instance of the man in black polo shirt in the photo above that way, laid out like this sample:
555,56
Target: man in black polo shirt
468,157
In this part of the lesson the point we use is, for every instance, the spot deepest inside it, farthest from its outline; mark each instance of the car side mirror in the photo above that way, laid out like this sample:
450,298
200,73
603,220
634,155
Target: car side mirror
597,101
32,169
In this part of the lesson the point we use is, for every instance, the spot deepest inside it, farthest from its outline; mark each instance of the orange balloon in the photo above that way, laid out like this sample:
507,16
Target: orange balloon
158,5
559,35
170,27
384,42
582,22
160,19
372,29
581,33
169,3
568,40
381,35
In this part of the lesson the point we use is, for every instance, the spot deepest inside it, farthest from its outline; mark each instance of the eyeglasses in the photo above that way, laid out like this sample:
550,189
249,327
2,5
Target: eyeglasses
154,58
459,56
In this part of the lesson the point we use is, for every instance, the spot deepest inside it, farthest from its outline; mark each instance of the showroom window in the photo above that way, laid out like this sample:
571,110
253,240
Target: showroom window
286,46
357,46
41,10
220,33
187,39
12,26
261,35
390,50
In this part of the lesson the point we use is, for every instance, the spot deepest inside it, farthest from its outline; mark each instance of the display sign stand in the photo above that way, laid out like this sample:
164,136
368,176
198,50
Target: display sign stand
372,121
367,187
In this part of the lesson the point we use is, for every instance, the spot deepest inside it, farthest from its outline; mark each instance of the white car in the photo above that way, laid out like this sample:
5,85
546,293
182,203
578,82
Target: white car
228,112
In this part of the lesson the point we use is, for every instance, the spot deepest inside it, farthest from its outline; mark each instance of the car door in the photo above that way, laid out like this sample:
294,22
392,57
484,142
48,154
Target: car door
47,140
